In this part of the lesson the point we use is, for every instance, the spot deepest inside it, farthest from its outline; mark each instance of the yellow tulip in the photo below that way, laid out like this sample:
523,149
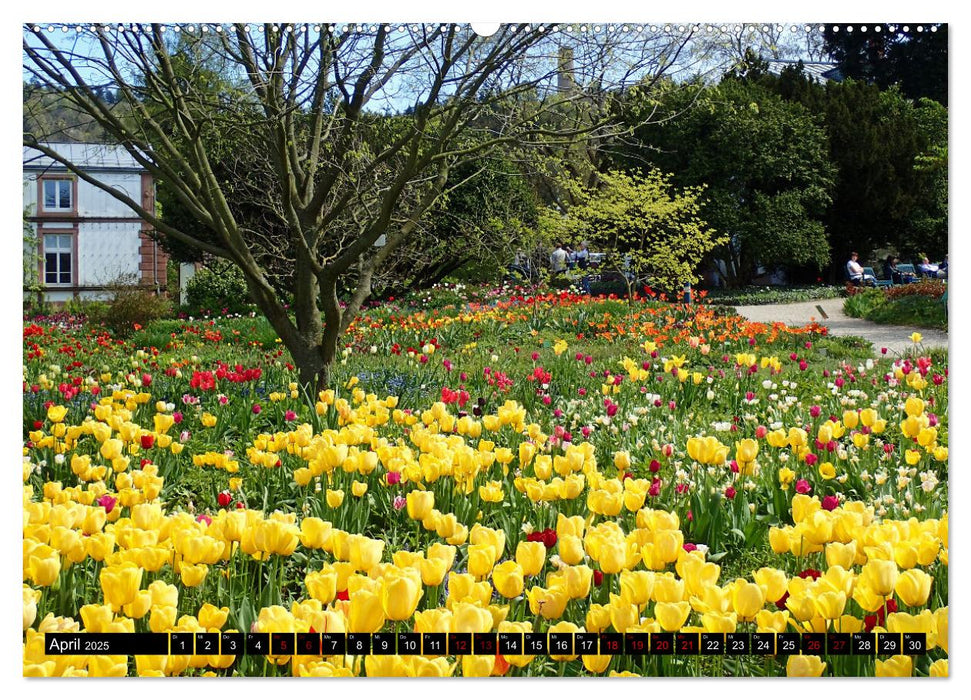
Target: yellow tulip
637,586
433,621
482,558
400,594
138,608
468,617
478,666
443,552
334,498
315,533
422,667
531,556
107,666
719,622
938,669
548,602
767,621
365,613
830,604
575,580
364,552
747,599
120,584
612,555
801,666
622,461
772,581
193,574
895,667
30,600
597,618
746,450
672,616
507,577
668,589
211,617
881,575
623,613
389,666
322,585
914,587
596,664
866,597
779,540
570,549
941,625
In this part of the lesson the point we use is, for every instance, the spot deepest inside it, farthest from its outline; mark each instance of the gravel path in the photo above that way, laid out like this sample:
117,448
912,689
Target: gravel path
895,338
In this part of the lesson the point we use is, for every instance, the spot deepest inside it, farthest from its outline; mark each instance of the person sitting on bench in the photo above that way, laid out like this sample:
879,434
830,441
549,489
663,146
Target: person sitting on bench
855,271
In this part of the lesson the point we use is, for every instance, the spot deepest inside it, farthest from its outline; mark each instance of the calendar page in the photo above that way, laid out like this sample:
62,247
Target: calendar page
383,349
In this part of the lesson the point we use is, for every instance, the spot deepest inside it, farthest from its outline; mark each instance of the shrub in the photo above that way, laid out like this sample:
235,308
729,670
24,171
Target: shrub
863,301
900,306
911,311
90,308
926,288
749,296
131,308
220,289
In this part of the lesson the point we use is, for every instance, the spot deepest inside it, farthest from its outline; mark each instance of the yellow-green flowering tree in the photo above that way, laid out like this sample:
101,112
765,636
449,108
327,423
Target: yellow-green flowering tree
647,227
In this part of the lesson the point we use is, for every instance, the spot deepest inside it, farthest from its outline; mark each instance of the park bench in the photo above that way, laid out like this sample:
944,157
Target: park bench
868,272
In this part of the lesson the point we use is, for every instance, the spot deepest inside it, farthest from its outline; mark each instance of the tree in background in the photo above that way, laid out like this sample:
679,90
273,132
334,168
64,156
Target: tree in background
926,229
915,61
890,155
488,212
764,163
646,226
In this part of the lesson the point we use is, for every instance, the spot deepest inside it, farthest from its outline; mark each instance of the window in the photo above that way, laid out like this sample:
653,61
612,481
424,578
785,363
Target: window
58,195
58,251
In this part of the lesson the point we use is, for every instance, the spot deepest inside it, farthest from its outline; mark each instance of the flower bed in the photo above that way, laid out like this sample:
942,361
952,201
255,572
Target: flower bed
518,463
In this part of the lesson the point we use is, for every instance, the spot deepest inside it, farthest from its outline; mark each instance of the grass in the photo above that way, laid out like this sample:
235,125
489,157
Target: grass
916,310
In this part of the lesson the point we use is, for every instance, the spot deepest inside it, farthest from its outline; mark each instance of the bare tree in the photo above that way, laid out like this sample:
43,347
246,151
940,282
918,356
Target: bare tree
727,45
305,105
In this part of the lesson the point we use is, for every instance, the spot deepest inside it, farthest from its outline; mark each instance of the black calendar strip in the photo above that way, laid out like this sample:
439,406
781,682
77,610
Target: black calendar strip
508,644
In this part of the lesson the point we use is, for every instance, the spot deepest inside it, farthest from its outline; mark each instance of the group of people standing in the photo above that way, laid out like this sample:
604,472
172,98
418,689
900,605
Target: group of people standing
565,258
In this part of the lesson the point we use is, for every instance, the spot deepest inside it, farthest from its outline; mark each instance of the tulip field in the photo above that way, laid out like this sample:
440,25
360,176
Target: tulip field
485,460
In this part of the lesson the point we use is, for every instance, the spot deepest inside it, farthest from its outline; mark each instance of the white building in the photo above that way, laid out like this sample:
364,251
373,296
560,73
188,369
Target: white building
86,239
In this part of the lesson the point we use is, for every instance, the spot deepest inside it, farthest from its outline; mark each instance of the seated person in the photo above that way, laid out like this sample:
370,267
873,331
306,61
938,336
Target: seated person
926,267
854,271
891,272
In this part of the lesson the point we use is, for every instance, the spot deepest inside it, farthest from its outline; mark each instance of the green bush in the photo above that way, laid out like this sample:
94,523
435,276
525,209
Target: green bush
864,303
878,306
217,290
911,311
90,308
750,296
131,309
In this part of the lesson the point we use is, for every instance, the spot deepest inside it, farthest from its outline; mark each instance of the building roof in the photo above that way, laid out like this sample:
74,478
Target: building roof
820,70
90,156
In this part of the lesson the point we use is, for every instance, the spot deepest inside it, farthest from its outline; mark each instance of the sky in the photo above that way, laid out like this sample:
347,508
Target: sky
707,52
